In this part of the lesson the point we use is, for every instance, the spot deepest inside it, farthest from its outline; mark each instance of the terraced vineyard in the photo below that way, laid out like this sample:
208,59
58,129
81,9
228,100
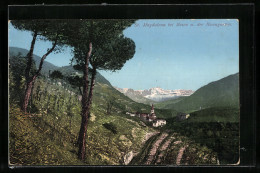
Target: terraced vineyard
169,148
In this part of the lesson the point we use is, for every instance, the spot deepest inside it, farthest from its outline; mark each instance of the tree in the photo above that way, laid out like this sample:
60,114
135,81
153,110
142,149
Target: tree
45,30
112,128
98,45
110,104
76,82
56,74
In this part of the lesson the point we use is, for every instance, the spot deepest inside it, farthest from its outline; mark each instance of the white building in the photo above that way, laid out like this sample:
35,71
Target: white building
131,114
159,122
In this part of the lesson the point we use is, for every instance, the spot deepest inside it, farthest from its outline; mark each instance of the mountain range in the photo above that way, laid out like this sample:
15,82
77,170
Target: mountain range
156,94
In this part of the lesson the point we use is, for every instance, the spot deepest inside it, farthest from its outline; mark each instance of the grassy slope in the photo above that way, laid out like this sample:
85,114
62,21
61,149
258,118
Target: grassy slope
53,127
32,143
224,92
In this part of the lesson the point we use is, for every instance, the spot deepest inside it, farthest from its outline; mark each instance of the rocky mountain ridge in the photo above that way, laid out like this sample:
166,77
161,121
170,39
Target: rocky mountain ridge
156,94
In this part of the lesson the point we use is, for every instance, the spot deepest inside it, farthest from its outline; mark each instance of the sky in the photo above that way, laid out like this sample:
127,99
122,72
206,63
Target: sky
171,54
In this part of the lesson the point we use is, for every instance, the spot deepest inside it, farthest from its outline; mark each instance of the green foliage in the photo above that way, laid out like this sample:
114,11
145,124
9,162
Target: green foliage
75,81
52,30
111,127
110,48
56,75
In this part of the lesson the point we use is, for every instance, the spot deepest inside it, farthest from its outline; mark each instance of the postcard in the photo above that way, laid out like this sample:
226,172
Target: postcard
124,92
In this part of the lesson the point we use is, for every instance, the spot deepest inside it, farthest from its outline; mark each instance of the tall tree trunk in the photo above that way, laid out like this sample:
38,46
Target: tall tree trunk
84,112
84,123
31,80
28,91
92,85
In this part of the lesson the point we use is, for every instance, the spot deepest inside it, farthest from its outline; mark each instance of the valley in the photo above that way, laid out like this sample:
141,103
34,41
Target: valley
210,135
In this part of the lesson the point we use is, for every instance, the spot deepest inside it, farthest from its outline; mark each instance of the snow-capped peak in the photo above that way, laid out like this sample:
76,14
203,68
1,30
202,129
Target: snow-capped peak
157,93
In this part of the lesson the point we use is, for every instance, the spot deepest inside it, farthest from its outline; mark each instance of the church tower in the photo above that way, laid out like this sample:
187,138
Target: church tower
152,110
152,114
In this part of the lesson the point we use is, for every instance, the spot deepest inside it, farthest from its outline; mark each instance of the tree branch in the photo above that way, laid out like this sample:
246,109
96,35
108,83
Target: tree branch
44,57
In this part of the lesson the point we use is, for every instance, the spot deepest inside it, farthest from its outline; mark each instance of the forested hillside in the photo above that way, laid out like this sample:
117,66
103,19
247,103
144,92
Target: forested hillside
221,93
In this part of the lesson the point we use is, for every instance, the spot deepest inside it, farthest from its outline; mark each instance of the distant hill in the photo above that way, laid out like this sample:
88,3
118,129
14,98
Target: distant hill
221,93
13,51
168,103
65,70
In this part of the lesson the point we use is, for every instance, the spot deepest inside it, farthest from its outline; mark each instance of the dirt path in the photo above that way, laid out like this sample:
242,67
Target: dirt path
153,151
163,148
149,135
179,157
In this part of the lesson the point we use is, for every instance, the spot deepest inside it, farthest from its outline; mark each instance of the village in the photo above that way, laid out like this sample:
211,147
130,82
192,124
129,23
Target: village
156,122
150,117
